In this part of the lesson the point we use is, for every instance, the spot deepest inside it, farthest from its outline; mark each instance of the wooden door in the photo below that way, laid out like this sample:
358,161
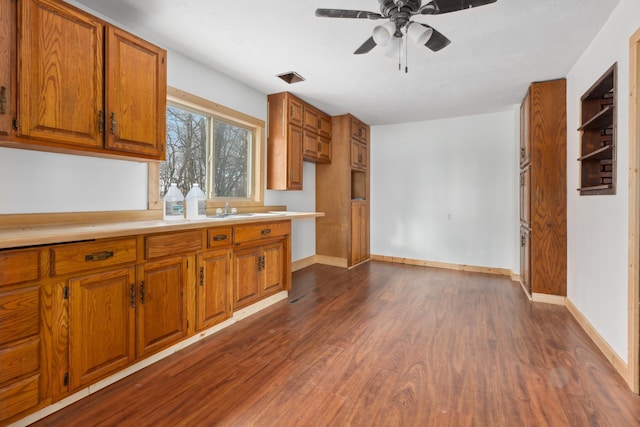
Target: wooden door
294,158
214,288
101,324
60,61
246,276
161,317
272,268
525,139
7,65
136,95
359,251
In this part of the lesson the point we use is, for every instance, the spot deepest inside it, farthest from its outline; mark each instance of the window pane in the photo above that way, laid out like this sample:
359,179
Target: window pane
231,157
186,161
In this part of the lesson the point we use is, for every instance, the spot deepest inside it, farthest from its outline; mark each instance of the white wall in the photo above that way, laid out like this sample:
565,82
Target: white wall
422,172
597,226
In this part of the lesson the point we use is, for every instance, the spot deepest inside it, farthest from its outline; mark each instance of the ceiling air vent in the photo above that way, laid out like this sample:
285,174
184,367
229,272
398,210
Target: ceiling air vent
291,77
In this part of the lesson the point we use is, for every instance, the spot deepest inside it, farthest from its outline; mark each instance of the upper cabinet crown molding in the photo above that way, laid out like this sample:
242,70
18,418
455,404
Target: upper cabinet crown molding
83,86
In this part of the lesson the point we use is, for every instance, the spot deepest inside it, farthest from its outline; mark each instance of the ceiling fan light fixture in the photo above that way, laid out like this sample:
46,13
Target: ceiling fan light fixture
419,34
382,34
394,48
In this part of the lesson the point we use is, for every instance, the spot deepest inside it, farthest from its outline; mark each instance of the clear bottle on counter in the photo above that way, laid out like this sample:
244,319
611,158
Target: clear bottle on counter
173,203
196,203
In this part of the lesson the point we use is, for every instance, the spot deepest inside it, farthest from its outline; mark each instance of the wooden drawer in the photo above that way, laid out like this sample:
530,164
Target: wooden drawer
19,397
19,266
87,256
159,245
219,237
250,232
19,360
19,314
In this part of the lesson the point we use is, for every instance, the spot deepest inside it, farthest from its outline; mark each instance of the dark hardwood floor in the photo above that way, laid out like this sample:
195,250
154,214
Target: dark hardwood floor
380,345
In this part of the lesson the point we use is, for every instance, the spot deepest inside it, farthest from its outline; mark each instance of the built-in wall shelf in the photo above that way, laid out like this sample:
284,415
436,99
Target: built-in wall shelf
598,140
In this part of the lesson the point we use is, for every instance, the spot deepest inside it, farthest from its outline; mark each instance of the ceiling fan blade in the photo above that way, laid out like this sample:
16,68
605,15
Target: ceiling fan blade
437,40
342,13
366,46
438,7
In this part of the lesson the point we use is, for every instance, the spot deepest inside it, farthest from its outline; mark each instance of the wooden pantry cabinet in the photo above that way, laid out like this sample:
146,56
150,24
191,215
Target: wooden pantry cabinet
83,85
342,193
73,314
297,132
543,188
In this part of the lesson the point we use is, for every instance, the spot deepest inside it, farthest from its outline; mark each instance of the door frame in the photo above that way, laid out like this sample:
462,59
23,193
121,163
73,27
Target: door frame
633,360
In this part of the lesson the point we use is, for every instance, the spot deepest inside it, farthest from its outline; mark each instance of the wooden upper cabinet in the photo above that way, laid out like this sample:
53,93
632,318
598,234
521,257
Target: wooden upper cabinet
324,125
295,111
86,85
311,119
525,150
60,62
359,130
7,66
136,94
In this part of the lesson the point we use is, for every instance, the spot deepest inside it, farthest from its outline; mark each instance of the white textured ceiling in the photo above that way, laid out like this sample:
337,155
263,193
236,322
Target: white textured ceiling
495,52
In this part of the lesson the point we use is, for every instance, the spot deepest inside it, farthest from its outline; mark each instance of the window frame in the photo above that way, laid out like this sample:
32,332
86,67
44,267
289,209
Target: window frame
179,98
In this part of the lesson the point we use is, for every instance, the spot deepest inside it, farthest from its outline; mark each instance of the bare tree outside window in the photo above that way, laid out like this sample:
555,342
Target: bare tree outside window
213,153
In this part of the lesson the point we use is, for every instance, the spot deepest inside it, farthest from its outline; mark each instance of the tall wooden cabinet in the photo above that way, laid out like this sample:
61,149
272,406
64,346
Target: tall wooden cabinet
7,66
342,193
543,188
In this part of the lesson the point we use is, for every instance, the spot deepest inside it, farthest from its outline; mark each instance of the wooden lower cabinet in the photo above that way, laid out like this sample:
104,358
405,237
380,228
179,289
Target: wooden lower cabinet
525,258
214,290
101,324
258,272
161,308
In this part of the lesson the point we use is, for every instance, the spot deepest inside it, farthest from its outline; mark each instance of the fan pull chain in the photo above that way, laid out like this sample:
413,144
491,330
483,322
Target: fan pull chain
406,55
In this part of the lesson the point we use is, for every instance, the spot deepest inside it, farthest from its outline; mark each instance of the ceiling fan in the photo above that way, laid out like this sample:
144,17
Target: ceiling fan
399,14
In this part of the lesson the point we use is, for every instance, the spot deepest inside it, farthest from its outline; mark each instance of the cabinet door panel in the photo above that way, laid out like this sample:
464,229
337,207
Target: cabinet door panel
525,258
294,158
19,314
61,74
273,269
161,307
525,197
295,112
310,145
7,65
214,288
246,280
101,325
311,121
136,97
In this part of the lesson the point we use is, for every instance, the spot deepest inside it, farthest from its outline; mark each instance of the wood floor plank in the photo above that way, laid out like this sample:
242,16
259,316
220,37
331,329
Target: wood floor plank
379,345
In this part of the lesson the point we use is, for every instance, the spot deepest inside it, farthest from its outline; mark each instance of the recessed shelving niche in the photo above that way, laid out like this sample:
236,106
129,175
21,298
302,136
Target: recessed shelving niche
598,141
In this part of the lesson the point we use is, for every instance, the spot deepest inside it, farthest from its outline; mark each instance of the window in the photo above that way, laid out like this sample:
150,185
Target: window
218,148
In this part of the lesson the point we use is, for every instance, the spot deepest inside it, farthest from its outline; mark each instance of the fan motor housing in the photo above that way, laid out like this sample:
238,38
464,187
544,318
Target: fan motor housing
391,7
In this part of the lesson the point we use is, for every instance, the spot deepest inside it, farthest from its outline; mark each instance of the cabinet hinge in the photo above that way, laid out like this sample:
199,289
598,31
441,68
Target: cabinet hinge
187,324
15,123
65,379
65,292
163,60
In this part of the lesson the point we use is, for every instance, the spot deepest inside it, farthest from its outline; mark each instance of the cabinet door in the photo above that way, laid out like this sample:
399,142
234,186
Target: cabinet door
161,317
246,276
525,258
525,154
324,150
324,125
311,120
214,288
272,268
294,158
295,112
310,146
136,95
7,65
525,197
359,251
101,324
60,64
358,155
358,130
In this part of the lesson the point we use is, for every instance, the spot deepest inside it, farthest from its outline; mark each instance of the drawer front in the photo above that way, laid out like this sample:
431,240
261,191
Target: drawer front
19,397
251,232
19,267
86,256
19,314
19,360
219,237
160,245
